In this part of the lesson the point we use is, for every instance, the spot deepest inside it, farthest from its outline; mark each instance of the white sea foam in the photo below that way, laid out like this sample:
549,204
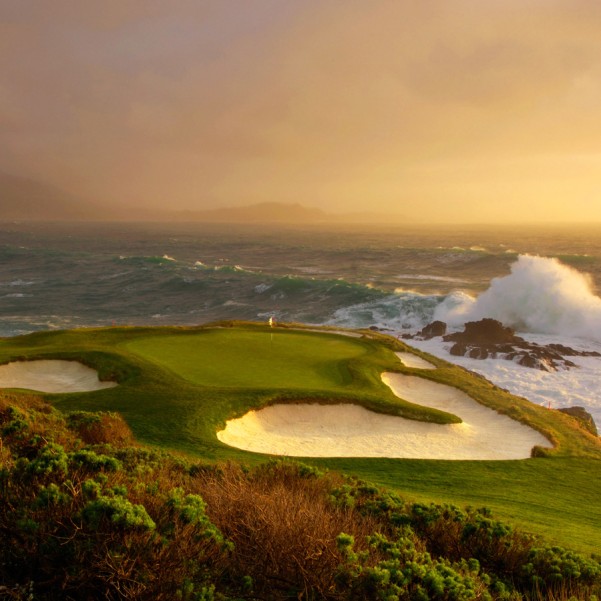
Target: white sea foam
578,386
403,310
17,282
433,278
540,295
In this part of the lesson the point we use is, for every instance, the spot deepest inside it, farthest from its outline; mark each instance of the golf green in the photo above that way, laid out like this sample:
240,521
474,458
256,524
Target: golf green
254,359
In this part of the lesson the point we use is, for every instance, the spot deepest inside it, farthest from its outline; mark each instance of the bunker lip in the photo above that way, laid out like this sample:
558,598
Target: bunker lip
411,360
345,430
51,375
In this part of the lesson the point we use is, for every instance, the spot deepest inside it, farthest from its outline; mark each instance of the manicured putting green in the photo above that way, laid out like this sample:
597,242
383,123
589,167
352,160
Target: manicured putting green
241,358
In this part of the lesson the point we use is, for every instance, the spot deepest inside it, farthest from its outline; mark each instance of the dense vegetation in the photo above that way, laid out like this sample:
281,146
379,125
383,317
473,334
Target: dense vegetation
85,513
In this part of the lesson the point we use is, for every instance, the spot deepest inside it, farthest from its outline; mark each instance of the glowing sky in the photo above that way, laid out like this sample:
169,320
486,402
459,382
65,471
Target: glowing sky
465,110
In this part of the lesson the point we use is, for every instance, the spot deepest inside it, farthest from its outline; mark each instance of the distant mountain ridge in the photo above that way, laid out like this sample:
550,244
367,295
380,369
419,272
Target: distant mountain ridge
23,199
267,212
26,199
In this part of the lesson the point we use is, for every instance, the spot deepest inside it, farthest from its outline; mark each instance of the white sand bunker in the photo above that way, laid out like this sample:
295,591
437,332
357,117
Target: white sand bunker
313,430
411,360
49,375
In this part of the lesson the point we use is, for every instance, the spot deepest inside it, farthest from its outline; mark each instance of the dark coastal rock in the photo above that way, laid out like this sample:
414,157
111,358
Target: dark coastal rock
583,416
433,329
436,328
489,338
485,331
569,351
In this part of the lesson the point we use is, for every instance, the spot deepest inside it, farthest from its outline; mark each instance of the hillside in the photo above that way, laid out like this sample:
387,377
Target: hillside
23,199
266,212
29,200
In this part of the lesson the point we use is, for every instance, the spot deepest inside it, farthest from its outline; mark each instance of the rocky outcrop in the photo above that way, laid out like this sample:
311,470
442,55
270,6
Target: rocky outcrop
583,416
436,328
486,331
489,338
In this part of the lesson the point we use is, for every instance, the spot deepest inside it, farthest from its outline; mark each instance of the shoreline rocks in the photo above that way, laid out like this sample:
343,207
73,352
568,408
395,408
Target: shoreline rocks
489,338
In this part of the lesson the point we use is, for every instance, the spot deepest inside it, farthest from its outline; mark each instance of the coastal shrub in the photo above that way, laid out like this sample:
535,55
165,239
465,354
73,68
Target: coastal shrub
512,562
51,495
398,569
119,511
283,526
551,568
51,458
100,428
14,422
81,521
93,461
80,524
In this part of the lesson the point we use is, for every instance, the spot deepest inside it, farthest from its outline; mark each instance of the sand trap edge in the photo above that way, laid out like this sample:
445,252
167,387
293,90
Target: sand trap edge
345,430
51,376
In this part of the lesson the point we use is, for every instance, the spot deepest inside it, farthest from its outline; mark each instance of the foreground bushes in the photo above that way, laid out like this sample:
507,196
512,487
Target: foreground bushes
85,514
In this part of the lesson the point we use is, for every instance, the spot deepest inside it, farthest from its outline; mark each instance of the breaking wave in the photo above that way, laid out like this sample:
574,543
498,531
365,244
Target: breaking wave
540,295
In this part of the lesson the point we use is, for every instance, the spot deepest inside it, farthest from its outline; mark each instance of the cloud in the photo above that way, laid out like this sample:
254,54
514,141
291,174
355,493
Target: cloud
209,103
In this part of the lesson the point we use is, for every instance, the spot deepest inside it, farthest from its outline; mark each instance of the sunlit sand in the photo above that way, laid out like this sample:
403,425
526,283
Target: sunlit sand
51,375
411,360
312,430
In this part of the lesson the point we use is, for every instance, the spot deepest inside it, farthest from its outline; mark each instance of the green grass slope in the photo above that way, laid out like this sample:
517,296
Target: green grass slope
178,386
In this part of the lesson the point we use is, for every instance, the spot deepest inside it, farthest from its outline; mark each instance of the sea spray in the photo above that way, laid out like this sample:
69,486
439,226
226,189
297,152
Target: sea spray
540,295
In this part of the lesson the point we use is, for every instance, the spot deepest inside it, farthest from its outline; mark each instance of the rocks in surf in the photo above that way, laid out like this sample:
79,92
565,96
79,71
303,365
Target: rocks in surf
489,338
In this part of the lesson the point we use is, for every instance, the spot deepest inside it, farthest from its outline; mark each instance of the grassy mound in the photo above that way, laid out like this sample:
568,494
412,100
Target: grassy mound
87,514
178,386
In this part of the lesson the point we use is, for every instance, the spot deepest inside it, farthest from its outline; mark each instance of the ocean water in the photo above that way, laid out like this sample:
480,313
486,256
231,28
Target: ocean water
544,282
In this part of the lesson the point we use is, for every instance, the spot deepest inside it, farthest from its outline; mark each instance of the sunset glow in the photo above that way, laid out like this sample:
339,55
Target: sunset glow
460,111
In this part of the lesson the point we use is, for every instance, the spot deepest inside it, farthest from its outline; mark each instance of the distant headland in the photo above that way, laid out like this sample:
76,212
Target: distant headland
23,199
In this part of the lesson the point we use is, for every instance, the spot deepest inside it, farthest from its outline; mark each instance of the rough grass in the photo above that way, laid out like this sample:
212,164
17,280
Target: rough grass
176,391
114,521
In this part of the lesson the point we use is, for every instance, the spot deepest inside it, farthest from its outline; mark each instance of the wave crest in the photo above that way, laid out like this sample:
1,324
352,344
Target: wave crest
540,295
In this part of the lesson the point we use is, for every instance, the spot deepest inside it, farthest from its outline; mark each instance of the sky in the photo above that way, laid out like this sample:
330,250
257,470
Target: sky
437,110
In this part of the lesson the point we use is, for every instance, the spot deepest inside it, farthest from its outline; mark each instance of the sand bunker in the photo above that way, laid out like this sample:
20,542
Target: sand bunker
51,375
411,360
313,430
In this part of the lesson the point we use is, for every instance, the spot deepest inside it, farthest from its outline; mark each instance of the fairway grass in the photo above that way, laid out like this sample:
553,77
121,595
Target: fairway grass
179,386
250,359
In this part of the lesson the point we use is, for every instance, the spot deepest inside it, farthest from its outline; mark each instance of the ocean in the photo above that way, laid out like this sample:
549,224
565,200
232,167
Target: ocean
543,281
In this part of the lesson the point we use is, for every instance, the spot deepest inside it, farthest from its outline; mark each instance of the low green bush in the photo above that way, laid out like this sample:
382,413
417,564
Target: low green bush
101,521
